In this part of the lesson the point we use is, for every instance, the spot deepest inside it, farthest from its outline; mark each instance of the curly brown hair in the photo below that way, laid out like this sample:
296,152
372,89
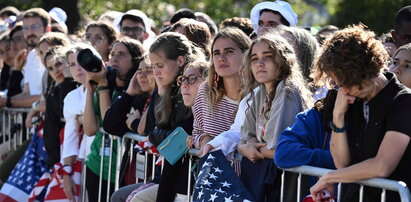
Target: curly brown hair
241,23
352,55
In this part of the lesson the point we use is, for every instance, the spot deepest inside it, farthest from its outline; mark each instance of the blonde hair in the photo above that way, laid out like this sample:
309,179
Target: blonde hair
285,59
215,82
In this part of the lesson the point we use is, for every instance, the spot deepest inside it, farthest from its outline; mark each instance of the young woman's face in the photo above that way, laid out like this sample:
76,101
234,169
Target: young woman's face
264,70
78,73
98,39
227,57
42,50
120,59
189,84
55,67
165,70
401,66
145,77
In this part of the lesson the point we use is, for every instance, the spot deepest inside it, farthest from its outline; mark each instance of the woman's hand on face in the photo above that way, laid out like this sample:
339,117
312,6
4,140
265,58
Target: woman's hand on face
133,87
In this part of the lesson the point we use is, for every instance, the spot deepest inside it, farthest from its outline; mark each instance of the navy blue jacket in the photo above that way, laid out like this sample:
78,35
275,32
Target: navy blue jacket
304,143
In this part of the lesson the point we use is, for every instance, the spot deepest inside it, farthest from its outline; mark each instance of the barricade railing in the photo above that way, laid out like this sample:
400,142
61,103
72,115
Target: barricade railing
12,130
381,183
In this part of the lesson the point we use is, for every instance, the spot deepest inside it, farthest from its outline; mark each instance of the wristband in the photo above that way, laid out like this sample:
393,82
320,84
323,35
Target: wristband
335,129
100,88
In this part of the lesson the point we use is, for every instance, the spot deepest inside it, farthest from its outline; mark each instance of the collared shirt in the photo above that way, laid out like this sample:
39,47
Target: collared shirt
387,111
33,73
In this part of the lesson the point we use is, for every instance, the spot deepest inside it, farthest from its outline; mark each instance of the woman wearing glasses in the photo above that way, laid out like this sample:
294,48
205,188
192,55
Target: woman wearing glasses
101,36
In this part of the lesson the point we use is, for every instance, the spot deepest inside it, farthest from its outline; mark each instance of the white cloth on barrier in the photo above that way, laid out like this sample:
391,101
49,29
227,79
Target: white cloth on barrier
227,141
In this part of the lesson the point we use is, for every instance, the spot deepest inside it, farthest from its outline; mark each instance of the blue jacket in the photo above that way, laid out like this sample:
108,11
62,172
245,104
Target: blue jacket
304,143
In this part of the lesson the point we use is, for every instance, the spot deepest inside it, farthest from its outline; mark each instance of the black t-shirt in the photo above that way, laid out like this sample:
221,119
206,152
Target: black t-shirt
387,111
115,118
4,76
54,120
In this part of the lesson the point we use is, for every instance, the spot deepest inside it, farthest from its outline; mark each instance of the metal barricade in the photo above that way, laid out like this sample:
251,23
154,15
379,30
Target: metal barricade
383,184
12,130
139,138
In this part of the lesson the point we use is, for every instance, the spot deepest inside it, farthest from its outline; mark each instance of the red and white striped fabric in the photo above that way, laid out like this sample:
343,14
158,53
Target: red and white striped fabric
54,184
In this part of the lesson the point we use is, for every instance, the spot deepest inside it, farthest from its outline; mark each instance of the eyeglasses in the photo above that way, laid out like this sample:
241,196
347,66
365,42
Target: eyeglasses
33,27
96,38
190,80
135,30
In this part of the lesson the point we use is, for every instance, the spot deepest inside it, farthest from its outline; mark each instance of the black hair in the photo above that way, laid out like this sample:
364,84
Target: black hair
132,18
403,15
282,19
182,13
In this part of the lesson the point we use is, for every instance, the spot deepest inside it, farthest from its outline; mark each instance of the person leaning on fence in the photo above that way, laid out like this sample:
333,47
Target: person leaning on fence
124,115
120,118
47,41
169,54
101,35
271,64
306,142
217,101
110,84
370,131
36,22
401,64
74,143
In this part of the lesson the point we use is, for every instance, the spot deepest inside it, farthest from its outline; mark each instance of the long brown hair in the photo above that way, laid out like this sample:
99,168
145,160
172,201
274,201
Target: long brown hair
215,82
285,59
173,45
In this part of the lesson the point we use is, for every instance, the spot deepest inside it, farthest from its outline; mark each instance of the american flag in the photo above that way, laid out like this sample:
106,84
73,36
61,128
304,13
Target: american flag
217,181
27,172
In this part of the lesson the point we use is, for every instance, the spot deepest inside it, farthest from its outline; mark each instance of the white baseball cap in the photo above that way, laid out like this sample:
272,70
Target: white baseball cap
59,15
279,6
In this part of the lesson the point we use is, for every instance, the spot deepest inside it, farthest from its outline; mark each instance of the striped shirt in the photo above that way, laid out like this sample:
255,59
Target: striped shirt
211,120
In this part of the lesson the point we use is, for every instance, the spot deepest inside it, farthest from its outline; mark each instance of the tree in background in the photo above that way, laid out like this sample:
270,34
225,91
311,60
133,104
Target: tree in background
378,15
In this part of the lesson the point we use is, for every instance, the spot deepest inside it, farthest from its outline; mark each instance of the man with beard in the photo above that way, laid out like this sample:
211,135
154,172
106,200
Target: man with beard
36,22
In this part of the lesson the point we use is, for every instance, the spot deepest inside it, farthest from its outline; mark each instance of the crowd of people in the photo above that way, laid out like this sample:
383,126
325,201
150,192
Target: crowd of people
266,93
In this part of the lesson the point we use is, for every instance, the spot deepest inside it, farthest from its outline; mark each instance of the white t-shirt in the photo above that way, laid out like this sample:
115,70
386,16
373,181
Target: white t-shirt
74,104
33,72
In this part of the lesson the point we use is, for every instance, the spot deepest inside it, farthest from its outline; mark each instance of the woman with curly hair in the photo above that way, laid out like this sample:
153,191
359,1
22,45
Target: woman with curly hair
271,65
370,131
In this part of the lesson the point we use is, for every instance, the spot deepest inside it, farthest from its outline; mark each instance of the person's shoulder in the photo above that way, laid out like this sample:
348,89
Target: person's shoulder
73,96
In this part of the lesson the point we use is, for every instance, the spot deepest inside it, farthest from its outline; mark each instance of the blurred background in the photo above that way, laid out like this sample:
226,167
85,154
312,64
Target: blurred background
376,14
